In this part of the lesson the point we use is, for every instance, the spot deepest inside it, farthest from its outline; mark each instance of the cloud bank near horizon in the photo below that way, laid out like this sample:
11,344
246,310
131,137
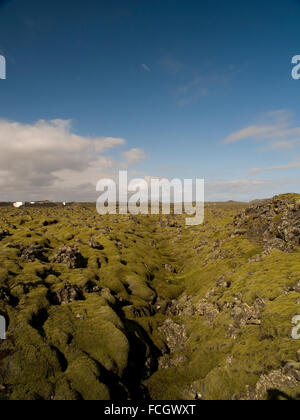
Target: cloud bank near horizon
47,159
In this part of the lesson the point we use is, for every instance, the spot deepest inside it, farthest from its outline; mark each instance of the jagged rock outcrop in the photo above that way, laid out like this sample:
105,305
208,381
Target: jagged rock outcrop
270,386
94,244
207,310
183,306
170,269
70,256
175,335
276,222
66,294
33,252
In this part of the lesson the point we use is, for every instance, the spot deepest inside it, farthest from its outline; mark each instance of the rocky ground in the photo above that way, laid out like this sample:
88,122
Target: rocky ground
147,308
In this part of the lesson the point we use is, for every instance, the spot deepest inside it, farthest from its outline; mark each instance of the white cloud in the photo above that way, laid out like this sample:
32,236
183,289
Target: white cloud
253,131
291,165
283,144
102,144
48,160
134,156
146,68
275,127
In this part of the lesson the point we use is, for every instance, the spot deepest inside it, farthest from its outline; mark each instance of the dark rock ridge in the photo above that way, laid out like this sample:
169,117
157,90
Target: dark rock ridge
276,222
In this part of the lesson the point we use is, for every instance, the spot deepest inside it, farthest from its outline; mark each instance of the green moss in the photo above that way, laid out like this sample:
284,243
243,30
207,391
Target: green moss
94,347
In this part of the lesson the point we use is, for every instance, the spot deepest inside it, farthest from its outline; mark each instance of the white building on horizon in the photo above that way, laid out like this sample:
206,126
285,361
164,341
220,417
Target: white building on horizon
18,204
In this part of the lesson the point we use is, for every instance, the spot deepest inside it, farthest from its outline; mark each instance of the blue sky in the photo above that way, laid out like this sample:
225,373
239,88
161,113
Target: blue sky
171,88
